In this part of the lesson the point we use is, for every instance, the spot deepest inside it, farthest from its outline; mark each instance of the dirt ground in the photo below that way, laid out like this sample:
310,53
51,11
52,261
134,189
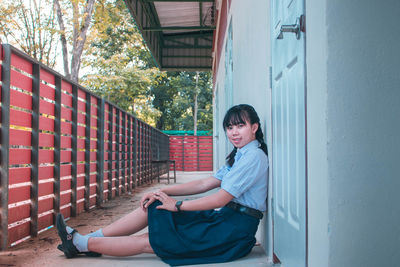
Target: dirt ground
42,250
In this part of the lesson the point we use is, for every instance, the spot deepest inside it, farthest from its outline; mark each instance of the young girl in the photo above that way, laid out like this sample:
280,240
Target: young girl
194,231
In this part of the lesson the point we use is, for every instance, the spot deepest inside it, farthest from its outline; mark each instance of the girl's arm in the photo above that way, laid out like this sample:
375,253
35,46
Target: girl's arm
190,188
193,187
216,200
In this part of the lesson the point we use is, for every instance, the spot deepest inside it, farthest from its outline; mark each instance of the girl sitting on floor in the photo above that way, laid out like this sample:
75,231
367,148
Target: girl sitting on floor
219,227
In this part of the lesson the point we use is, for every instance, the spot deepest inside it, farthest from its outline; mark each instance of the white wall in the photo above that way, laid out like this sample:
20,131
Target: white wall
251,62
353,111
317,158
353,125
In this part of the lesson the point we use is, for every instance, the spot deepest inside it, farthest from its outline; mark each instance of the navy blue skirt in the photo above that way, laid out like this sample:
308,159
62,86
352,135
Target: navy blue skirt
199,237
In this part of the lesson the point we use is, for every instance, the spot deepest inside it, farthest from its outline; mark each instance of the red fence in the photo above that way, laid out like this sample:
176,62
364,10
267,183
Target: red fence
63,149
191,153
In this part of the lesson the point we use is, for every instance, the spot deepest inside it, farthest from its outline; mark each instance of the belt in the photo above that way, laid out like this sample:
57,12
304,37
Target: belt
245,210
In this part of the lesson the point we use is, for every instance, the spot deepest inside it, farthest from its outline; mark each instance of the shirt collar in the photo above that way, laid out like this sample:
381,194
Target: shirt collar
252,144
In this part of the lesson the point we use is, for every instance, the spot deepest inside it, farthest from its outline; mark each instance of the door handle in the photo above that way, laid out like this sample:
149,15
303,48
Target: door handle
294,28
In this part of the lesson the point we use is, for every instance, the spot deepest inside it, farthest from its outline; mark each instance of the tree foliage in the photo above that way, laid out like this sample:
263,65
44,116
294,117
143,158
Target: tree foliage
119,64
31,26
123,71
174,98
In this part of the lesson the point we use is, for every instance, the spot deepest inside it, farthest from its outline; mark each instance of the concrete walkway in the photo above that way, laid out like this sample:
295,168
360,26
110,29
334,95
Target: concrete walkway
50,256
256,258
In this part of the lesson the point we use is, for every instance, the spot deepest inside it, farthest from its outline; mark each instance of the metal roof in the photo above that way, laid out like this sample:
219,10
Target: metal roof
179,34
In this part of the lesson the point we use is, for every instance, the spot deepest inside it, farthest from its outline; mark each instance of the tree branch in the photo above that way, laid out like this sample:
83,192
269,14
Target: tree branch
62,37
80,42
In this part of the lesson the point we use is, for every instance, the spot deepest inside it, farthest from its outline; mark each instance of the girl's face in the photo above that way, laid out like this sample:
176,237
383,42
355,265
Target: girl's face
241,134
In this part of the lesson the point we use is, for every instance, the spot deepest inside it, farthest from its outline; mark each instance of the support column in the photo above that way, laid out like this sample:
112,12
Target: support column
35,149
5,143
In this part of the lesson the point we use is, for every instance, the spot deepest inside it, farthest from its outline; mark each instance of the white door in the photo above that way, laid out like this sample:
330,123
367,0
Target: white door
289,141
229,78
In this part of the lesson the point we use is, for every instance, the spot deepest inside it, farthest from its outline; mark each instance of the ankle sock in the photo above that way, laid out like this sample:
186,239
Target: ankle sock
80,241
98,233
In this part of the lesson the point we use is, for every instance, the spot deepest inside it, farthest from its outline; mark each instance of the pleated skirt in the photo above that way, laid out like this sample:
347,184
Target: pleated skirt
200,237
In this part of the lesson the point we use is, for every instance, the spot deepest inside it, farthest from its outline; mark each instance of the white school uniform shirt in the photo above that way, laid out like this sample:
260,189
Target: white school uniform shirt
247,179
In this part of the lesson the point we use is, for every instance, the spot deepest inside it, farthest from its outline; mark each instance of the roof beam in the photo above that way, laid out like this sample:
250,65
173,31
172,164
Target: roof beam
186,67
179,28
186,35
201,13
188,46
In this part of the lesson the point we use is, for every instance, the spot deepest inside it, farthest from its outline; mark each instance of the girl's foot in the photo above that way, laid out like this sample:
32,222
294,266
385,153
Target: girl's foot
68,246
87,254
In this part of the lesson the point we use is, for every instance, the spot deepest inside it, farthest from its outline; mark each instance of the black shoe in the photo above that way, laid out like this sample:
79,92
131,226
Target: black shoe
68,247
87,254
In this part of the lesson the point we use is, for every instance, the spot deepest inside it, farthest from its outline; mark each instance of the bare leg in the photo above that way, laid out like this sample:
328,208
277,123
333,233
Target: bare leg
121,245
127,225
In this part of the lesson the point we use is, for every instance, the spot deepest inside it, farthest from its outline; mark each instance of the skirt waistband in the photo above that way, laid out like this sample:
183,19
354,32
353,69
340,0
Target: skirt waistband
246,210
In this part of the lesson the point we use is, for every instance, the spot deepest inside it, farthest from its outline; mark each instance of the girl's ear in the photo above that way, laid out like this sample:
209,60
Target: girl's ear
254,128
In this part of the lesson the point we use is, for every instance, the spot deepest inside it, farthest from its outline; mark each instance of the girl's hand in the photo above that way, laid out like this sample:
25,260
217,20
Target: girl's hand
168,203
147,199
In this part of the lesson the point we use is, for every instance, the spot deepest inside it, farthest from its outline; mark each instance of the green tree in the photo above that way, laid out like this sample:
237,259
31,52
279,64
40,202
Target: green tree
121,69
120,66
174,98
31,27
163,96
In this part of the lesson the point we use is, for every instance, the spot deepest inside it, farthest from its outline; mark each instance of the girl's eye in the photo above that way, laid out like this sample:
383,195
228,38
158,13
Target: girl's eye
241,125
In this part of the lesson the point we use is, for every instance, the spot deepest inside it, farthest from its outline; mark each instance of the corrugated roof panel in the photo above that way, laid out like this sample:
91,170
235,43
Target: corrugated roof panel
178,14
187,45
183,13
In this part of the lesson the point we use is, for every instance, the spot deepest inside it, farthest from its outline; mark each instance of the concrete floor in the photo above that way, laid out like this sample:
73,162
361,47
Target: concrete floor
255,258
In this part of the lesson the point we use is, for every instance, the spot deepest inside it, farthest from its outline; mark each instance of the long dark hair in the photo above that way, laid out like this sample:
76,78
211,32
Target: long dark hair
241,114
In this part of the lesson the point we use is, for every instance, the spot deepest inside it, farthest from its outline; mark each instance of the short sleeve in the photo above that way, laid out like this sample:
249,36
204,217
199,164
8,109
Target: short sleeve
221,172
243,174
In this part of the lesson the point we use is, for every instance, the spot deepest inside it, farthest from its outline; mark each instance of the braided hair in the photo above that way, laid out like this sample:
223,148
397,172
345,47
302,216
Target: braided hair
241,114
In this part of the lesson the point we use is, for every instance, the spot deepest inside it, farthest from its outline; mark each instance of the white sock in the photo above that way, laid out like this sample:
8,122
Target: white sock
98,233
69,229
80,241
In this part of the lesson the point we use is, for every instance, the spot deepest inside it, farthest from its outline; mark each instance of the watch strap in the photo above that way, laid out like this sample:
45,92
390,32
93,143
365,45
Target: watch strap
178,205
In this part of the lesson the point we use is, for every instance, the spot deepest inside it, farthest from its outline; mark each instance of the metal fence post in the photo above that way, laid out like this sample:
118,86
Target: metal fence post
110,150
88,115
100,151
57,146
117,158
135,152
140,152
129,132
146,152
198,154
123,142
183,153
74,155
5,143
35,149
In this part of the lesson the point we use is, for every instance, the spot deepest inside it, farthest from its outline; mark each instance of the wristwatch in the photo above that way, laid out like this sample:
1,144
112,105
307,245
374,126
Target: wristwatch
178,205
